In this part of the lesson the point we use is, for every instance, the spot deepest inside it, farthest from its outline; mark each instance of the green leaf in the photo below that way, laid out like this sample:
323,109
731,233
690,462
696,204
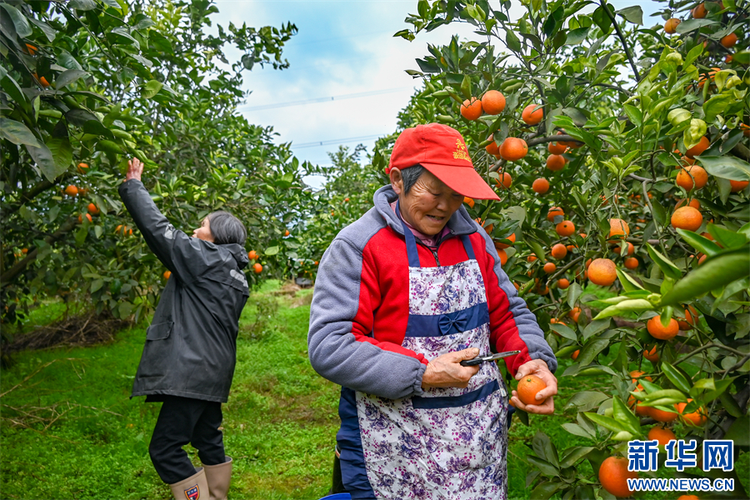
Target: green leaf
738,431
512,40
17,133
545,489
628,283
606,422
715,272
591,350
632,14
728,167
574,291
666,265
676,377
45,161
62,152
716,105
10,85
69,76
625,306
271,250
564,330
660,215
700,243
23,29
730,404
466,87
544,466
694,54
574,454
729,239
82,4
151,88
96,285
693,24
577,36
596,327
623,415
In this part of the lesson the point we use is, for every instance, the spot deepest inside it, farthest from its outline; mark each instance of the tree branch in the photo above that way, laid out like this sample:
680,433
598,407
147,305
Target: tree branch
628,53
19,266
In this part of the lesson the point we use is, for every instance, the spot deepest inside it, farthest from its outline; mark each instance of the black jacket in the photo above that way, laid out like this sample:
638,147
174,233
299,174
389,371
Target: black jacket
191,345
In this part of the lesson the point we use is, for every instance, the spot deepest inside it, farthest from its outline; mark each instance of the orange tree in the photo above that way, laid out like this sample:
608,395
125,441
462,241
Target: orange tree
626,124
84,85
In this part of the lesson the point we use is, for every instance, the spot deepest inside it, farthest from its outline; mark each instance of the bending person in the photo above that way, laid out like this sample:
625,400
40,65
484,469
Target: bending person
402,296
191,346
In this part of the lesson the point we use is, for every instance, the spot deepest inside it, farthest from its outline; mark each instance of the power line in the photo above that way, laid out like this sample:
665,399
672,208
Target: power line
335,141
323,99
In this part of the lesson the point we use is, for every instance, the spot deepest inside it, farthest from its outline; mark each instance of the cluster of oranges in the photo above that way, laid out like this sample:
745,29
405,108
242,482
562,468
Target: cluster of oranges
257,267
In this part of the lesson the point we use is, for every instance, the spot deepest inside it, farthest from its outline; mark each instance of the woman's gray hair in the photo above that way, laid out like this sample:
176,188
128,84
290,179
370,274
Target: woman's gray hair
226,228
410,176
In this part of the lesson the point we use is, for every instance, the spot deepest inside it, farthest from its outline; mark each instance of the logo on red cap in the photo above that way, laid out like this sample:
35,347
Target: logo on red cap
460,153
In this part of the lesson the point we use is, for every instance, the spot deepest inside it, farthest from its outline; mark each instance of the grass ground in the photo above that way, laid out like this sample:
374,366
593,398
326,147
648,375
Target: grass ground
279,424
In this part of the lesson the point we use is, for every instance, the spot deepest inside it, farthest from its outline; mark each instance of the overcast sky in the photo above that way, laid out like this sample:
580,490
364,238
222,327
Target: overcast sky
344,50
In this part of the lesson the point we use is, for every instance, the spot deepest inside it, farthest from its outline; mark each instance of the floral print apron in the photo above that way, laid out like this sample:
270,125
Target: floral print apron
449,443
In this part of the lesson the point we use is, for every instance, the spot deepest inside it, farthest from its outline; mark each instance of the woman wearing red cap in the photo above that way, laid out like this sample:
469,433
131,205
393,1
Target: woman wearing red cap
403,295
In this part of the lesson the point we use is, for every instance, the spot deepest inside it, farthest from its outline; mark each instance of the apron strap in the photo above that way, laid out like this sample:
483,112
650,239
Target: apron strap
467,246
411,242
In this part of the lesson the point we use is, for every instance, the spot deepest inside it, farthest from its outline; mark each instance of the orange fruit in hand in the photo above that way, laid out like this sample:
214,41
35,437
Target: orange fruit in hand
559,251
565,228
664,436
257,268
252,255
554,211
527,389
471,109
493,102
698,148
469,201
513,149
738,185
671,25
562,283
167,274
651,355
602,272
614,475
728,41
556,162
661,332
504,180
550,267
541,185
71,190
532,114
691,177
687,218
93,209
631,263
697,418
556,148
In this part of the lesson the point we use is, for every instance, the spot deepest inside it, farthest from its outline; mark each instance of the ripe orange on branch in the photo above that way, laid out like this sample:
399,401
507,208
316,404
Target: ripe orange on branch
471,109
93,209
533,114
513,149
729,41
527,389
469,201
664,436
504,181
618,227
614,475
556,162
563,283
602,272
554,211
698,148
550,267
565,228
696,418
556,148
687,218
167,274
661,332
502,255
738,186
691,177
80,218
71,190
540,185
693,203
671,25
492,148
662,415
631,263
511,238
699,11
559,251
252,255
651,355
257,268
493,102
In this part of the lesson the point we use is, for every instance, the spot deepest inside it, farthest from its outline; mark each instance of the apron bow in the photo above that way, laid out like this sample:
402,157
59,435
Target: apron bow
450,324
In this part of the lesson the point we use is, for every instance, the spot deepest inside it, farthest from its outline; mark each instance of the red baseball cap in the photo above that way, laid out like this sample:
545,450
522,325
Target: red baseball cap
441,150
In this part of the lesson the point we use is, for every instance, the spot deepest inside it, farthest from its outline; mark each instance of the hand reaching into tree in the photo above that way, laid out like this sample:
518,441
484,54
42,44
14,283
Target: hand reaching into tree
135,169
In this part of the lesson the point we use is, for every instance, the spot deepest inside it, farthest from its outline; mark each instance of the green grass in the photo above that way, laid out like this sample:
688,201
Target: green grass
279,424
